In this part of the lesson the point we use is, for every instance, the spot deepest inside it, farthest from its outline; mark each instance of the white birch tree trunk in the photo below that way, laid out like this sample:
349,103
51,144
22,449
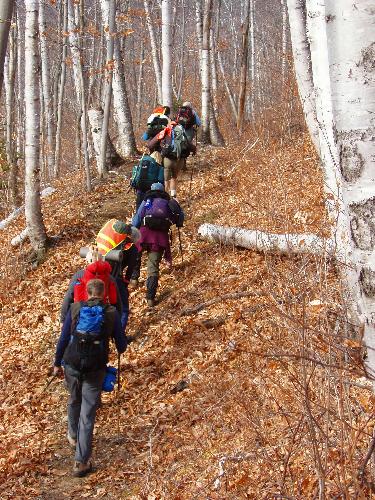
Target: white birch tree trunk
121,108
166,46
283,41
244,67
96,123
73,17
6,11
33,212
46,89
205,71
154,52
10,147
61,88
302,65
109,27
267,242
341,76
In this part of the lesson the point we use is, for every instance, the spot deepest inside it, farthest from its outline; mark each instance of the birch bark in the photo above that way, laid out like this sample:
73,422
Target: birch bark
33,212
154,52
244,67
75,48
9,80
61,88
302,65
166,44
6,11
46,88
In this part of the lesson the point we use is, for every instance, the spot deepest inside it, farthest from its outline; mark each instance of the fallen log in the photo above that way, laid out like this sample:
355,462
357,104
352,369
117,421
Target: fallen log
268,242
17,211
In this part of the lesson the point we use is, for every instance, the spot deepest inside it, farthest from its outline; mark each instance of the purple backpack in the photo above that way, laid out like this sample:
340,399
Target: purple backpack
157,214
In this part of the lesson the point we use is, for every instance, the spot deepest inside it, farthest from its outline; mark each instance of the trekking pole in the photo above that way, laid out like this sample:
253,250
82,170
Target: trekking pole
192,168
180,244
118,372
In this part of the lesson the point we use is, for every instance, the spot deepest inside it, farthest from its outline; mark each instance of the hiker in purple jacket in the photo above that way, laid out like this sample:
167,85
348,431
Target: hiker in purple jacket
154,218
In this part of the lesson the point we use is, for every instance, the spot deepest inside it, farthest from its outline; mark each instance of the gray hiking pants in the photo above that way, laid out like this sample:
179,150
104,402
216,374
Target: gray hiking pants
84,398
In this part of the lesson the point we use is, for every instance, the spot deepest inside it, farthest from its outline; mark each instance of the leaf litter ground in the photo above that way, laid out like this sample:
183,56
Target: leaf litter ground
243,382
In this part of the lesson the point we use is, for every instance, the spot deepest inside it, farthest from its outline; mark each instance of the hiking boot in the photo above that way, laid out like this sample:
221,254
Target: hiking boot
80,469
133,283
72,441
151,302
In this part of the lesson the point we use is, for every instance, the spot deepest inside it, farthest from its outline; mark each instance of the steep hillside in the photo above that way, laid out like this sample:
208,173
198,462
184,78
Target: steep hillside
243,382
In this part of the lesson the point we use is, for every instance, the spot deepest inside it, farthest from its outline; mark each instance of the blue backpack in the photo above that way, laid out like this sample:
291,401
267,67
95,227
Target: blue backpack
88,347
146,173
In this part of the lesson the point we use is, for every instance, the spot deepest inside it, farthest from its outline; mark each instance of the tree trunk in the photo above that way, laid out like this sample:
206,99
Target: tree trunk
33,212
75,48
206,95
244,68
283,41
166,46
140,83
46,88
10,77
302,65
267,242
342,75
96,120
6,11
61,88
154,52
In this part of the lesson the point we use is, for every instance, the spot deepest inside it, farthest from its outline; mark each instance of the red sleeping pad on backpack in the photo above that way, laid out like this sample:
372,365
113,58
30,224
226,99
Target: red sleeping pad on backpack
98,270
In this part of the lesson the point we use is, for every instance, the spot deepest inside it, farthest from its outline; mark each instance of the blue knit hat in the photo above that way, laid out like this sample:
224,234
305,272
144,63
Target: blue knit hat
157,186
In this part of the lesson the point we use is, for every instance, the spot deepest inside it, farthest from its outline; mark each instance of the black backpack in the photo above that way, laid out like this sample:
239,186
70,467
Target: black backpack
185,117
88,347
156,124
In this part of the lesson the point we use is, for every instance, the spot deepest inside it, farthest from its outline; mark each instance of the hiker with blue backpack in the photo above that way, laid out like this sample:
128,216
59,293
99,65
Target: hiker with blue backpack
84,347
189,119
155,216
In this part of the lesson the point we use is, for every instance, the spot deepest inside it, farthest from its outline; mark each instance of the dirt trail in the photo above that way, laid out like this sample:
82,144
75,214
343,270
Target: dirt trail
210,404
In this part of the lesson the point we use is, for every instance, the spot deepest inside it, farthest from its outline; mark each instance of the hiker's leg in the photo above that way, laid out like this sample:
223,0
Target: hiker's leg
153,263
167,173
140,197
91,390
74,386
175,168
137,266
124,294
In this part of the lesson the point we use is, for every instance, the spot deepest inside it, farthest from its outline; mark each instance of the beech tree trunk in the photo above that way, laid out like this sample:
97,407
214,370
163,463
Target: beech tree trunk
112,158
166,46
33,212
6,11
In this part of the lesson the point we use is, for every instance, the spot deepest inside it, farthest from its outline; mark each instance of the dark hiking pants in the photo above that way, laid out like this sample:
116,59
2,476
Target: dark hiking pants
84,398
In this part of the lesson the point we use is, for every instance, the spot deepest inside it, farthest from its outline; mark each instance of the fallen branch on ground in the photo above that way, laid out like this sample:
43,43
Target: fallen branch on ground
268,242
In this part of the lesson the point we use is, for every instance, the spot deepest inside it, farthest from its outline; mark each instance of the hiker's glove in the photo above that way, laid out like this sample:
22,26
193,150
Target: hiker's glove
58,371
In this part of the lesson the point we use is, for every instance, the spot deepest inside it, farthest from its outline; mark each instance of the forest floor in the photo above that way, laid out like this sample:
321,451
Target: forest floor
243,382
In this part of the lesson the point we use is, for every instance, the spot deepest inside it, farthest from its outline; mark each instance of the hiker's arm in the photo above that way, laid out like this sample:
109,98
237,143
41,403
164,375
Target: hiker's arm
119,335
69,297
63,341
118,304
153,143
137,219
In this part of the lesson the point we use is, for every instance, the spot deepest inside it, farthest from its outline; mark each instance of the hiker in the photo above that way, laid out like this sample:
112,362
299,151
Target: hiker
148,171
157,121
175,147
97,268
84,346
154,217
115,234
189,119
